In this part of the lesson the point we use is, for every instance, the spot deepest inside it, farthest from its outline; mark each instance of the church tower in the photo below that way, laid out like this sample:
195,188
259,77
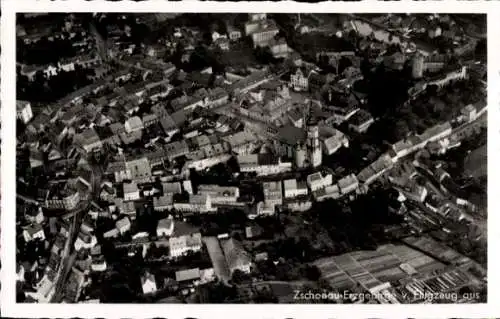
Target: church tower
417,69
314,146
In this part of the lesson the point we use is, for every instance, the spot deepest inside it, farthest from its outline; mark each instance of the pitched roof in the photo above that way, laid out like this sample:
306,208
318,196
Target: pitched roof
235,255
187,274
184,229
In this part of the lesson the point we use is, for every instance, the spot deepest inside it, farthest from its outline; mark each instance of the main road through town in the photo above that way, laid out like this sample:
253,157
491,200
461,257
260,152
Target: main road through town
69,255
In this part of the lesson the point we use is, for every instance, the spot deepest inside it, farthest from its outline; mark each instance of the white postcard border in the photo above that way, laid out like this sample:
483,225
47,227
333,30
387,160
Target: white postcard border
8,69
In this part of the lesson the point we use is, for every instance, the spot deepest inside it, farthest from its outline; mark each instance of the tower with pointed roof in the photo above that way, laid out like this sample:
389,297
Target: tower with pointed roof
308,152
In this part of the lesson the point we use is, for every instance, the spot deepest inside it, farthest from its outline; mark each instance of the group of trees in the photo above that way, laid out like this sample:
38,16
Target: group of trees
308,45
217,292
466,243
31,251
220,174
200,58
353,227
139,32
48,90
45,51
214,224
388,92
337,67
264,55
284,270
436,105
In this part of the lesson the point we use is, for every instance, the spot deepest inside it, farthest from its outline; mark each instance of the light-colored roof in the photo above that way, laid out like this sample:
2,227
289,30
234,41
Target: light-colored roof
165,223
347,181
126,207
382,162
218,190
235,255
187,274
89,136
402,145
135,122
435,130
198,199
139,167
248,159
165,200
173,187
148,277
124,222
217,257
130,187
315,177
111,232
272,186
290,184
21,104
332,142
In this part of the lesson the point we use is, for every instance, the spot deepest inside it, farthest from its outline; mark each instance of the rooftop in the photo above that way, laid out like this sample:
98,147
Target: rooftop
124,222
172,187
290,184
89,136
360,118
184,229
240,138
130,187
274,186
187,274
134,122
165,223
165,200
235,255
291,135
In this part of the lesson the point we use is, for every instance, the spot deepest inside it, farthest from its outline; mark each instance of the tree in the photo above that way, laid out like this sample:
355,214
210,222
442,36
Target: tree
480,51
218,292
400,130
265,295
344,63
199,58
218,64
264,55
311,272
323,61
239,277
365,68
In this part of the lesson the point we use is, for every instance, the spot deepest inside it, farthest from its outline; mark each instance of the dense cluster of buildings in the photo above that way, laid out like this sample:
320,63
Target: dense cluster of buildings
140,142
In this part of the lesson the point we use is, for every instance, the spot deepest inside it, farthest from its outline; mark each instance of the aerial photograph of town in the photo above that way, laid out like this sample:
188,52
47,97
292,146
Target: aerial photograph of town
251,158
